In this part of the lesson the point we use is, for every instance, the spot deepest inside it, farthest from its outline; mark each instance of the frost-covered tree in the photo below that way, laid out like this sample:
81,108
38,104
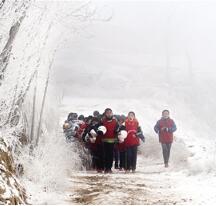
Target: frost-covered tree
30,34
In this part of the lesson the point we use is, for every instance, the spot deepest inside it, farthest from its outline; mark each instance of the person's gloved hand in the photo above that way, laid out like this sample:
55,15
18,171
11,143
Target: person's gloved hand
141,136
165,129
99,132
170,130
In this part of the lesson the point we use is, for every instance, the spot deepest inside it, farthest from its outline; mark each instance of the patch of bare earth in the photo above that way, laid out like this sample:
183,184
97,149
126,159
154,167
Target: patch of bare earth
121,188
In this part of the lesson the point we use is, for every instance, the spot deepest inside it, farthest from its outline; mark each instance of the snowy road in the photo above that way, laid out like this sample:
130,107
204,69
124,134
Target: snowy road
151,184
181,183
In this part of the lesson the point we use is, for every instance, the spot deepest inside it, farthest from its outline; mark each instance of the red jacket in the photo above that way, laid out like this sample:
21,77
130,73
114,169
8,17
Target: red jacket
81,129
111,126
165,135
131,128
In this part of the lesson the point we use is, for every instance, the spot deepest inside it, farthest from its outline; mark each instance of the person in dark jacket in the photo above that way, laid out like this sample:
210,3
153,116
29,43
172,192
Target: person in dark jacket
165,128
91,136
72,116
109,138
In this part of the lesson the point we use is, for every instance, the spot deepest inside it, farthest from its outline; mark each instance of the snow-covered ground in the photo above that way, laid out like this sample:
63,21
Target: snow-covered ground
152,184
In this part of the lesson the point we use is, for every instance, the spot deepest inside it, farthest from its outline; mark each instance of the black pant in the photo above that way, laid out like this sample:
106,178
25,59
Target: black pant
131,158
166,151
99,157
122,156
93,156
116,155
108,155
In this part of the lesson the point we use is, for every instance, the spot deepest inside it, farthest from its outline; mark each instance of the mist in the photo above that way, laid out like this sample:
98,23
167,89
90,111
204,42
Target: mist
173,40
160,53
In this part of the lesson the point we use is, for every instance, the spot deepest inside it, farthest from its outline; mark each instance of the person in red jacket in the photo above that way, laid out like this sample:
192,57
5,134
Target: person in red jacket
82,126
109,138
121,144
132,141
165,128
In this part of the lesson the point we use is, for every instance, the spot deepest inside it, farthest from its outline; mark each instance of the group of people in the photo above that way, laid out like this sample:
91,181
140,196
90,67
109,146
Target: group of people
115,138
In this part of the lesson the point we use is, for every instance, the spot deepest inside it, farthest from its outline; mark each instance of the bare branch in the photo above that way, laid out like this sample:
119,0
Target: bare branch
18,101
33,112
2,3
5,54
43,103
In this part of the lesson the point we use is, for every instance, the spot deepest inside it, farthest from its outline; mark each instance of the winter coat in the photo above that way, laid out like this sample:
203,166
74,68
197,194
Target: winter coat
132,129
82,127
165,129
71,131
112,129
87,132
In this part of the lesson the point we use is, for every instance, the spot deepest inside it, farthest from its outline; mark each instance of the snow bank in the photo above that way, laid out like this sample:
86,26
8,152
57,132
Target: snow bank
47,169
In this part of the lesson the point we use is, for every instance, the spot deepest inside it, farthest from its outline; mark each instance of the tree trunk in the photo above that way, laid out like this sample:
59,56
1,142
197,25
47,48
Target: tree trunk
5,54
33,112
2,3
43,103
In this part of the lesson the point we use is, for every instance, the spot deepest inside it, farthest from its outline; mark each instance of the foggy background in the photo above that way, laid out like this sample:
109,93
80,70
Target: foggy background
160,53
167,38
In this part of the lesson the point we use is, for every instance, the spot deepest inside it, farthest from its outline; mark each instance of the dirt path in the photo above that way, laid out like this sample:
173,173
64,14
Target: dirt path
119,188
151,184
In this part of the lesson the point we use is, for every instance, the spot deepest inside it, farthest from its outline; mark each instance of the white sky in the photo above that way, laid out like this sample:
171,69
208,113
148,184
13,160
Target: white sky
141,34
